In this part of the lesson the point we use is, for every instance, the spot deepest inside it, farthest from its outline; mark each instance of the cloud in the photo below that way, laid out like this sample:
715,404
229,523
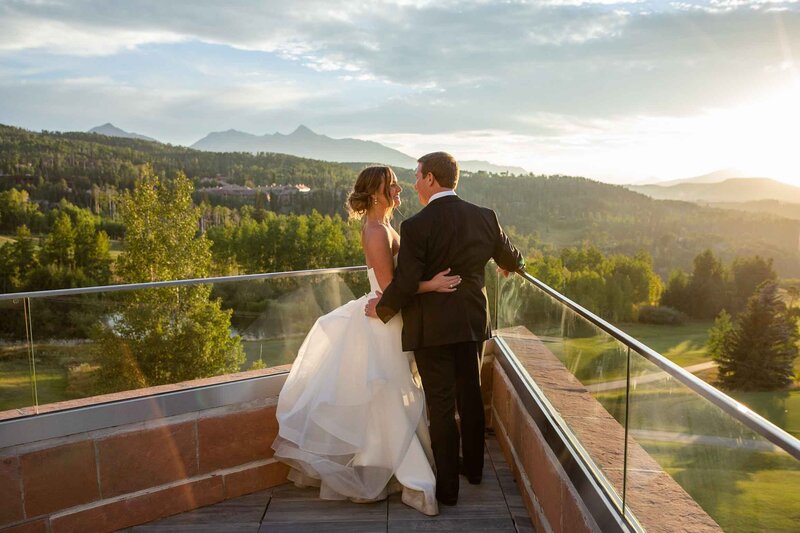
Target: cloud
23,32
549,48
554,74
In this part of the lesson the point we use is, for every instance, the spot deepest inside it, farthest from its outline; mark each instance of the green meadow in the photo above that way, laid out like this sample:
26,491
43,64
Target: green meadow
743,490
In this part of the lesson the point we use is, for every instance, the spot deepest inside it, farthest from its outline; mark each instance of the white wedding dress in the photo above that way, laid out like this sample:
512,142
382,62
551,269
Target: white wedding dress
352,414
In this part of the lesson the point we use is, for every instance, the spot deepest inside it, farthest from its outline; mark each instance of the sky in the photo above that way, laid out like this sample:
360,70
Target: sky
623,92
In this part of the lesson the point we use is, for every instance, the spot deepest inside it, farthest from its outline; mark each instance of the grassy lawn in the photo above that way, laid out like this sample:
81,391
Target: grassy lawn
51,376
742,490
273,352
600,358
672,407
684,345
782,408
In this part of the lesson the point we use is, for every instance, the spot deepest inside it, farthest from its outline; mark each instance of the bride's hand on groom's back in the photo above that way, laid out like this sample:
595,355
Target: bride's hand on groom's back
442,282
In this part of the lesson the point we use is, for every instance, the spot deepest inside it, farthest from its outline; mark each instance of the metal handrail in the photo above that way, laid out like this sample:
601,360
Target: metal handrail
752,420
177,282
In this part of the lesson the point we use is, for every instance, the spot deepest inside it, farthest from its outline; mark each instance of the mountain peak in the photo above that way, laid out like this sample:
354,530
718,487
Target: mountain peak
302,130
107,129
110,130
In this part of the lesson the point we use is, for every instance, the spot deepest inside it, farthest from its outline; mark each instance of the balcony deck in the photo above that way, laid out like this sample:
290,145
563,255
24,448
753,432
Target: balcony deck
494,505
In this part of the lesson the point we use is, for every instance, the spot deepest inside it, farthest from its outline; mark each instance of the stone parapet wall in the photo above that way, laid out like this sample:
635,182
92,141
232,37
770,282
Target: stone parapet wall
118,477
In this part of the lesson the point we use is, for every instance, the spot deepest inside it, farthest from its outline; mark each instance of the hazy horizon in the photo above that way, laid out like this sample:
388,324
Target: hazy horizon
621,92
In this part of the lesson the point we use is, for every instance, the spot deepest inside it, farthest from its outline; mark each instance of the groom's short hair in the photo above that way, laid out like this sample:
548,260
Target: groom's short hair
443,166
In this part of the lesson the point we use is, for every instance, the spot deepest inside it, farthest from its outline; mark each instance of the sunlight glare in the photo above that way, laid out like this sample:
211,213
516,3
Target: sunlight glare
763,136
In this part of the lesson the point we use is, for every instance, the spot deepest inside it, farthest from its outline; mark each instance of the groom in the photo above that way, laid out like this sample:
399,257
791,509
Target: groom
446,330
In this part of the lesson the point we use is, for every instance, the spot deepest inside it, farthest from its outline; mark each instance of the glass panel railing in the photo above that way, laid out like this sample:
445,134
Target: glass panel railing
18,394
570,360
664,443
740,479
87,343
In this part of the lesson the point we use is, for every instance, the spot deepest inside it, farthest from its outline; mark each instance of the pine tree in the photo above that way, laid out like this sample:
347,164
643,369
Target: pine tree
762,347
720,337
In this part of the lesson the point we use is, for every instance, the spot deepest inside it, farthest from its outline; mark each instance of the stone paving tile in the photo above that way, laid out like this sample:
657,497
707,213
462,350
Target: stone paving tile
324,527
461,525
324,511
505,477
235,515
197,528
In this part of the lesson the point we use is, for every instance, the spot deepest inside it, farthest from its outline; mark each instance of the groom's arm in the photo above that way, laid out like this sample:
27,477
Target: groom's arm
505,254
407,275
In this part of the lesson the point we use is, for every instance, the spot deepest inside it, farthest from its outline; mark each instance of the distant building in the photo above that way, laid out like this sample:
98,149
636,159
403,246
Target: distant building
281,195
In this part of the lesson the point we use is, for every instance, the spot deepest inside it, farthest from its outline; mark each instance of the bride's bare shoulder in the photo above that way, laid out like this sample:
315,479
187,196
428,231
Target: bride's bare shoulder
376,237
376,232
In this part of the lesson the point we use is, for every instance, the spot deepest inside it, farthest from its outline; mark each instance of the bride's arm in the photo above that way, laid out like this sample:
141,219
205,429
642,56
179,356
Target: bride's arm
378,253
441,282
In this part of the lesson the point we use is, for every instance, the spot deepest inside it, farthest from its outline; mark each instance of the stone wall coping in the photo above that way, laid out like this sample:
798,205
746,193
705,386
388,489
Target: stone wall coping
144,406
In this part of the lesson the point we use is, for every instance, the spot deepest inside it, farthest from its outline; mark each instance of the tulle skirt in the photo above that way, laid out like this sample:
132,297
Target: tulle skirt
352,413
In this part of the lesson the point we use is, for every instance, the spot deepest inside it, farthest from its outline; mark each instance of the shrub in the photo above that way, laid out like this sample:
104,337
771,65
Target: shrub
652,314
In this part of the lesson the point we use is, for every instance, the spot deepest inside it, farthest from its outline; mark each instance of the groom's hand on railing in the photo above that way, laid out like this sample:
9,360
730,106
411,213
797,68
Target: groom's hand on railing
503,272
369,309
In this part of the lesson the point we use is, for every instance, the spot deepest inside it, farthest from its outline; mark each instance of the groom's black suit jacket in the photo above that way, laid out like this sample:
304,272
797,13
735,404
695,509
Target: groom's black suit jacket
448,233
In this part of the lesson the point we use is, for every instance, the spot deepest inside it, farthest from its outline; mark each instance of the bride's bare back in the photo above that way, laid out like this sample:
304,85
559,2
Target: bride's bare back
381,242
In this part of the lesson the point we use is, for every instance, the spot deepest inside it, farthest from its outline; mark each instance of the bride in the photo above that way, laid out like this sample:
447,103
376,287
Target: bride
351,413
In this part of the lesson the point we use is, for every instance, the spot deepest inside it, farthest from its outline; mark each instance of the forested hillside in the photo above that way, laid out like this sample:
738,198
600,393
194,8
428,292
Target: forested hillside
542,212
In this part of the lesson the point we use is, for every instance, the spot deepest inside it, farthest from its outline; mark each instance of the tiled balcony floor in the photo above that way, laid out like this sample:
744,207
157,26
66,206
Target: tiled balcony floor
494,505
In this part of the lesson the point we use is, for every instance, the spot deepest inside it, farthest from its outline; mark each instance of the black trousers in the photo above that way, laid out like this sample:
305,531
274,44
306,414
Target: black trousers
451,378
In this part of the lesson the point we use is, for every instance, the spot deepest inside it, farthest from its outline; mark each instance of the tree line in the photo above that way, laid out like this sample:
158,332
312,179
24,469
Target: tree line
164,335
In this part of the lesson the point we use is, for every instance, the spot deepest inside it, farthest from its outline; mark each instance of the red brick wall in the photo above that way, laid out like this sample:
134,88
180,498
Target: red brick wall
113,479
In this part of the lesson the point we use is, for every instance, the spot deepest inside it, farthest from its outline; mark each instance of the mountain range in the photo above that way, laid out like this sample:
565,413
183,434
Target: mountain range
303,142
728,190
712,177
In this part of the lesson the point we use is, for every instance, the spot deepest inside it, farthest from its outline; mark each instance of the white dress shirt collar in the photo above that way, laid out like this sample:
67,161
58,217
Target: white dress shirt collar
442,194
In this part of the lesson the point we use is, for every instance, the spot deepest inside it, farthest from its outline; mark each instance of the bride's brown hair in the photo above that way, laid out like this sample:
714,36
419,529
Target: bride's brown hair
367,184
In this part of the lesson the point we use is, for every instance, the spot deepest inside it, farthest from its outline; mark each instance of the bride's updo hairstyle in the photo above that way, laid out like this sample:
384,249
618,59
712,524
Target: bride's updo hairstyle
365,188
